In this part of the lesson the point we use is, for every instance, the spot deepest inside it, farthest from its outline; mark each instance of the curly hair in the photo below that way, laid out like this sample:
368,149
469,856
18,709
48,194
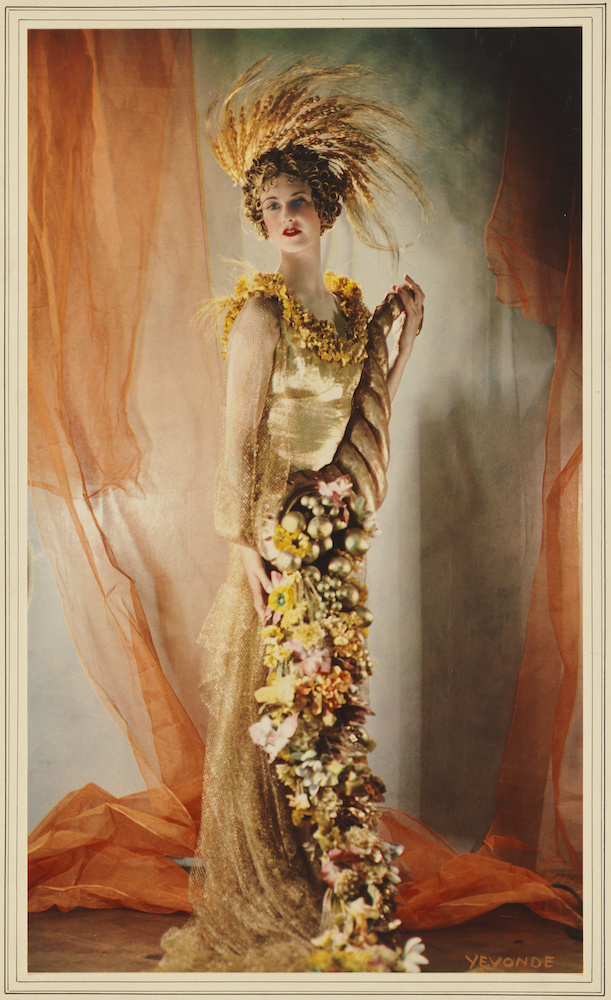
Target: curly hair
304,164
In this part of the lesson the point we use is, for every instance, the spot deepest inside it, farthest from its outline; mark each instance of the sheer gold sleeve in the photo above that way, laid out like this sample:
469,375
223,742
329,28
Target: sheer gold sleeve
251,345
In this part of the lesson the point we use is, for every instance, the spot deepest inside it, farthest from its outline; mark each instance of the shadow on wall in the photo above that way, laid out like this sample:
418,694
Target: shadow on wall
477,570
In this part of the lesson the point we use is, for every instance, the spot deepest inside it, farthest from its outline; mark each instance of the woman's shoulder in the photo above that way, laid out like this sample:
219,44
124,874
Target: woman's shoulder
256,298
261,285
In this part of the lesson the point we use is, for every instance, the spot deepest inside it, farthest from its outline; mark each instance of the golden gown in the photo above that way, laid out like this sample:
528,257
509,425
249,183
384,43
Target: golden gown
256,895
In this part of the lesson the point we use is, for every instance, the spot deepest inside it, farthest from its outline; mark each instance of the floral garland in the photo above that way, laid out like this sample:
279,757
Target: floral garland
319,336
312,726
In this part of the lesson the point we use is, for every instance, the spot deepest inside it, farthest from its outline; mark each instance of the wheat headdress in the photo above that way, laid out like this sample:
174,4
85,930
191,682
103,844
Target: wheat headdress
307,105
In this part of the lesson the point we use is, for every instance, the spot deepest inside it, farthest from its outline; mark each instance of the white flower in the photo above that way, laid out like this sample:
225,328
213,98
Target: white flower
412,957
265,734
314,776
370,524
332,938
335,490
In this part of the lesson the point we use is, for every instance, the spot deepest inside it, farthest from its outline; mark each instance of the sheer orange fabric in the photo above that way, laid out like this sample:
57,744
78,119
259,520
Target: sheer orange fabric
534,247
117,268
118,374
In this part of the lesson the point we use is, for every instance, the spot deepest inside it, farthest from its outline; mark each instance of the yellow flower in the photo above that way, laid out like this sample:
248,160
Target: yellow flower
300,804
274,651
310,634
271,632
319,336
281,691
294,615
283,539
294,542
275,656
321,961
282,599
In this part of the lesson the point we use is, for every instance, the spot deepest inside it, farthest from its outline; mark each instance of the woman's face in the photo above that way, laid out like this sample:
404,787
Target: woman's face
289,215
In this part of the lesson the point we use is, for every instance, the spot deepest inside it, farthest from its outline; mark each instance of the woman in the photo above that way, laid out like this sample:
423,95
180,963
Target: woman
307,405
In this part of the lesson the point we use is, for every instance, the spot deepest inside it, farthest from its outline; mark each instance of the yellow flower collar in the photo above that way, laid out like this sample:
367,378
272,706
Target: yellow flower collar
319,336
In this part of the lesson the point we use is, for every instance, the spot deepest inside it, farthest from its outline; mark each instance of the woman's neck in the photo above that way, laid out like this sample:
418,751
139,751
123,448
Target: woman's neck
303,275
304,280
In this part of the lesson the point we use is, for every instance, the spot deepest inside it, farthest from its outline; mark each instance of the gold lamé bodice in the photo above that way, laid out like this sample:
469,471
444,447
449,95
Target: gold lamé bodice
309,404
288,405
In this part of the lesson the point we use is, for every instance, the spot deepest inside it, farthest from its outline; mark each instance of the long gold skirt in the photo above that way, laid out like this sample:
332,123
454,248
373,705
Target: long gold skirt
256,896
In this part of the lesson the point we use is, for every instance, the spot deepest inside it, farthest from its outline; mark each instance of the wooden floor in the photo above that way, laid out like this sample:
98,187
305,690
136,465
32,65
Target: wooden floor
510,939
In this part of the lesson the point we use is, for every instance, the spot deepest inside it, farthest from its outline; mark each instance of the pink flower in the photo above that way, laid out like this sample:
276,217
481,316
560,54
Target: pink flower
329,872
273,740
318,662
337,489
344,514
311,661
336,854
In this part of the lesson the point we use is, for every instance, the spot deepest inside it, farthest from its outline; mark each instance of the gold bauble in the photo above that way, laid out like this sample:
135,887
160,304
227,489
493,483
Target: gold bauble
320,527
326,544
364,614
312,573
313,553
356,542
293,521
348,594
340,566
287,562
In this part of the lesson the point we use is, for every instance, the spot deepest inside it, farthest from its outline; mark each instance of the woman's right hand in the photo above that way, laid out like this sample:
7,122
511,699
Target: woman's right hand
258,580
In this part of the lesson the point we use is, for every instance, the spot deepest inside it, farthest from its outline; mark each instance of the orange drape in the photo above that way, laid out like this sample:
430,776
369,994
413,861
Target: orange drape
118,267
533,243
115,244
534,246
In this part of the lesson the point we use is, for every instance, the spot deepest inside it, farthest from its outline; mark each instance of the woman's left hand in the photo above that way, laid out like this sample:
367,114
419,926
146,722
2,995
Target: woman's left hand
412,297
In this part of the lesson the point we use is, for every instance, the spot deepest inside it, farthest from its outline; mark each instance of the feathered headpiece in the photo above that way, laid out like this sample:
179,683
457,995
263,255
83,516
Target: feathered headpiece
307,105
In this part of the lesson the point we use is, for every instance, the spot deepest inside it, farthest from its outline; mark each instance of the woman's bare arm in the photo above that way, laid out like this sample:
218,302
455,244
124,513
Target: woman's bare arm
412,298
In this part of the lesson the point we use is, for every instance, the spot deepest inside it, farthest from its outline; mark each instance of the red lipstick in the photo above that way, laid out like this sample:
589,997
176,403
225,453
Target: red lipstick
291,232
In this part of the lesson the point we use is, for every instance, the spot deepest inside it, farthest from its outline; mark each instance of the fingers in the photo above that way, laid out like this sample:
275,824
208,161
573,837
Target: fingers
410,290
412,297
258,580
261,586
264,580
260,606
259,591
